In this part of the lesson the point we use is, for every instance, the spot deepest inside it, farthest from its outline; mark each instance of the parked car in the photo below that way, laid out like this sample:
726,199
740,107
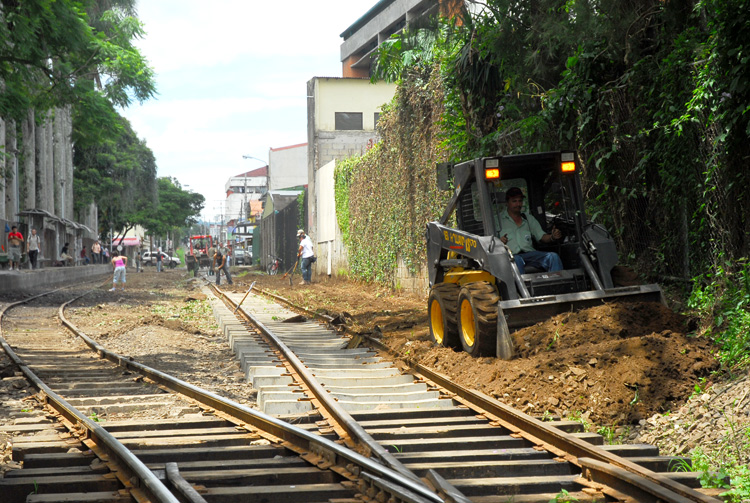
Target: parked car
242,257
167,261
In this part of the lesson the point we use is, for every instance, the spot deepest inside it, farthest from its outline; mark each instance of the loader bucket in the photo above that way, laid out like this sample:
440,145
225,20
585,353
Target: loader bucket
519,313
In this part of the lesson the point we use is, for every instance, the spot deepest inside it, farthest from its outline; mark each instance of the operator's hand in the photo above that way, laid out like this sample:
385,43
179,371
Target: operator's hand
504,239
556,234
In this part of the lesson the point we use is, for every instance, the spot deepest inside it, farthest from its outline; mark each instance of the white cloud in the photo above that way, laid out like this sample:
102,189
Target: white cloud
231,77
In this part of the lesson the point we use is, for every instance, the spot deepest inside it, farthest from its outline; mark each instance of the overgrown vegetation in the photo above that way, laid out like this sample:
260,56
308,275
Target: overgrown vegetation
722,300
384,198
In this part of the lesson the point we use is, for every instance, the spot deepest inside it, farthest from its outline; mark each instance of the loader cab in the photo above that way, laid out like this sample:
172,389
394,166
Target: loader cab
551,196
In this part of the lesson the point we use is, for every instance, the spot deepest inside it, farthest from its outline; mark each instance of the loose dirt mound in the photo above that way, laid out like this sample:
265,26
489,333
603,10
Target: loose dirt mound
611,364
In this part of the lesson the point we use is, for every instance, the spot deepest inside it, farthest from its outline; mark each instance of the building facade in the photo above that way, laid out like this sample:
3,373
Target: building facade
240,190
341,117
287,167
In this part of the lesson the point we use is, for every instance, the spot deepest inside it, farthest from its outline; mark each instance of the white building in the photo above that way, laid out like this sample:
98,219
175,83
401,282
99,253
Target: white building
287,167
241,189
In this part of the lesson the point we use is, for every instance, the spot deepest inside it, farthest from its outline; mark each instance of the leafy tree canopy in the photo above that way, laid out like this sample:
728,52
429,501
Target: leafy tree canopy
177,208
52,50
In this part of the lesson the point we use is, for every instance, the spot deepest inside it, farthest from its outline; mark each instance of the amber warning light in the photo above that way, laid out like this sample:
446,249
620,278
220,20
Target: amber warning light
568,167
492,173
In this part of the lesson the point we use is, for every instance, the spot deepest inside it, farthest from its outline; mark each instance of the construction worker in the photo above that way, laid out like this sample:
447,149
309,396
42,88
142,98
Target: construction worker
306,256
220,263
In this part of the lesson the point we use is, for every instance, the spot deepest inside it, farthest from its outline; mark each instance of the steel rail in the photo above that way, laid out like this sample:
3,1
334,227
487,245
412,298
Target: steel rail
352,427
293,436
624,476
599,466
134,469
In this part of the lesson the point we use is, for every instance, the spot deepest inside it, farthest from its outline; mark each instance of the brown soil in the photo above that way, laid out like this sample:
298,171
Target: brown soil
613,364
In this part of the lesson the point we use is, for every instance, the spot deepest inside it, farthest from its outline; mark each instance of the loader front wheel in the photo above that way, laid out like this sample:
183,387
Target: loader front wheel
477,318
441,311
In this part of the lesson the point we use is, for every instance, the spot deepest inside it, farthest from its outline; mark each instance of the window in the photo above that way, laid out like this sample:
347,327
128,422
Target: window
377,118
349,121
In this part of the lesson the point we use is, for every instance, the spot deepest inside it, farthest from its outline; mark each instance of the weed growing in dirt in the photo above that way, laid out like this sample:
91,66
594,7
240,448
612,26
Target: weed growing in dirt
698,388
563,497
577,415
609,434
636,398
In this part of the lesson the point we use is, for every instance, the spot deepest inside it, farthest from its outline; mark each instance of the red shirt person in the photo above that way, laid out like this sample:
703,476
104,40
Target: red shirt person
15,240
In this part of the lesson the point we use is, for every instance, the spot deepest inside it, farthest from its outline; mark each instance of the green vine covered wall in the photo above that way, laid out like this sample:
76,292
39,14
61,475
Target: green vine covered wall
385,197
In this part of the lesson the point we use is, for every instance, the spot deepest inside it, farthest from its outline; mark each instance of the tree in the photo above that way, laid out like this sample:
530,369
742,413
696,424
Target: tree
177,208
52,51
118,173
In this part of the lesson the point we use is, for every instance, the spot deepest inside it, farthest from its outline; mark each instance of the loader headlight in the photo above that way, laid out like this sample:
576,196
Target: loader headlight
568,167
492,169
491,173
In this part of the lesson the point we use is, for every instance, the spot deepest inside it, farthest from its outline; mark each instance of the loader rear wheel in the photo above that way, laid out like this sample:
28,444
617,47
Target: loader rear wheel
441,311
477,318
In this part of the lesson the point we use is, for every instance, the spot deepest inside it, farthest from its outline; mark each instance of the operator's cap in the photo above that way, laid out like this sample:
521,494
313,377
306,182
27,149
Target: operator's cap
300,233
513,192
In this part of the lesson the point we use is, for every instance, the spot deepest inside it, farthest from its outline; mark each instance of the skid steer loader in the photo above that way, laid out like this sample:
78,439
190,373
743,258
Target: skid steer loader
477,294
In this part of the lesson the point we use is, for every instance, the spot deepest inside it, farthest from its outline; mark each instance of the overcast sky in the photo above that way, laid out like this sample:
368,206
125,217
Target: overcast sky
231,77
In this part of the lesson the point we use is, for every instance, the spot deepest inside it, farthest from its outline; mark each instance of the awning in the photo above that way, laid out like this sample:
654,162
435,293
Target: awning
128,241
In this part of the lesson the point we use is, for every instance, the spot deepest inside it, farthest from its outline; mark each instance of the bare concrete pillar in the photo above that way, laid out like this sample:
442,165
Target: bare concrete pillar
40,146
11,171
2,169
49,163
29,161
69,162
58,162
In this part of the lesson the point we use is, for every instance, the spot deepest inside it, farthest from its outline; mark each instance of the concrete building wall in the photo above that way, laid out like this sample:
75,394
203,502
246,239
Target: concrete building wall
326,96
287,167
349,95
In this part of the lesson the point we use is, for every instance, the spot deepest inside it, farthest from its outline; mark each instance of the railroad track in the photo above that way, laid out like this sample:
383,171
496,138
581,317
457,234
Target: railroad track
337,423
213,450
465,443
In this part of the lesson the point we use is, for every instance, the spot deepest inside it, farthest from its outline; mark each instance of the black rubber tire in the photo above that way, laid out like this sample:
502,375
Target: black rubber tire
442,305
477,318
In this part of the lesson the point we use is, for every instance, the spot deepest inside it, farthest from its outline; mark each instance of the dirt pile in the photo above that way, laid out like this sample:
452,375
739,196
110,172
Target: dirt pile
613,364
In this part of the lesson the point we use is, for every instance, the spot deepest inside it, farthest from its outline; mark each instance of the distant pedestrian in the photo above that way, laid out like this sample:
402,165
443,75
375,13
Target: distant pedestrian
33,245
158,259
138,259
306,256
211,253
84,256
65,257
220,264
119,263
15,240
96,252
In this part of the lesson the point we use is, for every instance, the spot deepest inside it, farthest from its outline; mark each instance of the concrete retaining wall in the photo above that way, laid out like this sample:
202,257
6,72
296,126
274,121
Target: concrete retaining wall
20,281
